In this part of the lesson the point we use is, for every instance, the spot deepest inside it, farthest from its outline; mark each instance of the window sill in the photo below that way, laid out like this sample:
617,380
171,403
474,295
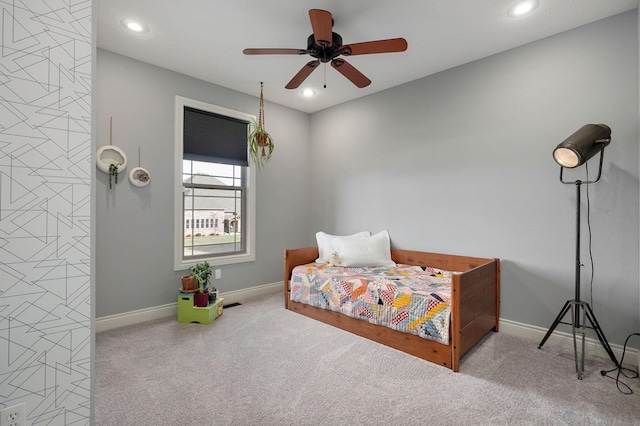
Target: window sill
214,261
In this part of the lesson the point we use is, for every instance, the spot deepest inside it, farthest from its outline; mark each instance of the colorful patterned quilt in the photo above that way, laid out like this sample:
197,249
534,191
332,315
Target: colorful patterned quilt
405,298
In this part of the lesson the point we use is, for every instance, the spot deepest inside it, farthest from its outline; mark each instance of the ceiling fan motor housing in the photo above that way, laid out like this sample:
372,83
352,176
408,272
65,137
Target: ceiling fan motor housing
322,52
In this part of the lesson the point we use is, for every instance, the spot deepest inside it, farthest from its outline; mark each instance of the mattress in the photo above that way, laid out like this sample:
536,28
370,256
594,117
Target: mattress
407,298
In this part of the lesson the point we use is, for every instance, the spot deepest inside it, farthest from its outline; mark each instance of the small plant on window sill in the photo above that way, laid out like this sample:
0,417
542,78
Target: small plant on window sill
113,173
260,142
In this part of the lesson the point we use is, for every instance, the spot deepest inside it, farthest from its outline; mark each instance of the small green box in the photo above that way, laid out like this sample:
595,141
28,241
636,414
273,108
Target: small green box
188,313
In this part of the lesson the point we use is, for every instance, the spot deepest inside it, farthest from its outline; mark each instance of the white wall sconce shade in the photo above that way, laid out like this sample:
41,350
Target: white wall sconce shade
110,154
139,177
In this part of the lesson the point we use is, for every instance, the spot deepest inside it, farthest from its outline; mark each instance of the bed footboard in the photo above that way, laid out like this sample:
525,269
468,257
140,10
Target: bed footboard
475,309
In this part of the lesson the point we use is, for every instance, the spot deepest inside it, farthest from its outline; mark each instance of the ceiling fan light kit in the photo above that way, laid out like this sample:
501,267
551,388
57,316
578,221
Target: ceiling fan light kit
326,46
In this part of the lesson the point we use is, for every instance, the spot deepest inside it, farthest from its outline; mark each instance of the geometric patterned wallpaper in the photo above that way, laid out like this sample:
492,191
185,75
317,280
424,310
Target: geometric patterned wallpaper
45,209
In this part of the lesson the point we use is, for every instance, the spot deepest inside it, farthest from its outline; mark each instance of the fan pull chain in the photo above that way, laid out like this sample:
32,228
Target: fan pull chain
325,75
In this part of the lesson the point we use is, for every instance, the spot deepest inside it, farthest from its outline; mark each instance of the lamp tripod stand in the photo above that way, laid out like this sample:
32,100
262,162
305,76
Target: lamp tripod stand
581,312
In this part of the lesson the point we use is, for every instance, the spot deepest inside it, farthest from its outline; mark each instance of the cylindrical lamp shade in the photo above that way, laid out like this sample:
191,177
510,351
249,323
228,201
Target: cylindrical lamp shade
586,142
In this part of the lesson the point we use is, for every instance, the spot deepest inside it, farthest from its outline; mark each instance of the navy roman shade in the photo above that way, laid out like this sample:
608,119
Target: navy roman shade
214,138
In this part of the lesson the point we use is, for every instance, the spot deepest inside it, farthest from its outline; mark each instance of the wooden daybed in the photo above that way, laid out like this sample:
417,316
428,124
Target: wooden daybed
475,305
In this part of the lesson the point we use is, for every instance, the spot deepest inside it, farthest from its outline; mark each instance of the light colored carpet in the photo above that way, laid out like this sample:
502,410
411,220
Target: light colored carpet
259,364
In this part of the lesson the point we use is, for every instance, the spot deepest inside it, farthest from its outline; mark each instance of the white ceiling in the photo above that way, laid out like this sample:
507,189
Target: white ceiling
205,38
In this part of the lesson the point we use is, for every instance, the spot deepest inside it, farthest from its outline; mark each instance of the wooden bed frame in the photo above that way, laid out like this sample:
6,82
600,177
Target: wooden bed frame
475,305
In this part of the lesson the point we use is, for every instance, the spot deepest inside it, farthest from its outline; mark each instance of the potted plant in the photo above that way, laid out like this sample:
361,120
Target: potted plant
188,284
260,141
201,273
113,172
213,294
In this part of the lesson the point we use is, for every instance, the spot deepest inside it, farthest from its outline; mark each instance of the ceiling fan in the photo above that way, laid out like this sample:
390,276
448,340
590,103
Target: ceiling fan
326,46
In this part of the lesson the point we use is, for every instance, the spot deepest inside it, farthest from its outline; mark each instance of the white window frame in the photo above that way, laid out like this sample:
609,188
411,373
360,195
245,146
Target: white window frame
250,211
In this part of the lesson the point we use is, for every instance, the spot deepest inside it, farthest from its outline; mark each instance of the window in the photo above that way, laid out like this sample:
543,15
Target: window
215,186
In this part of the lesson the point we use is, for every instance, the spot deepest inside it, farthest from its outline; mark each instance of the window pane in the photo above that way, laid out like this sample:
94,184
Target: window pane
213,201
211,180
213,169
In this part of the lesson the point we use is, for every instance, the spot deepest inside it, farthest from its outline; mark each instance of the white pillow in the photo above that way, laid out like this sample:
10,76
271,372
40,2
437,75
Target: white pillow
325,243
368,251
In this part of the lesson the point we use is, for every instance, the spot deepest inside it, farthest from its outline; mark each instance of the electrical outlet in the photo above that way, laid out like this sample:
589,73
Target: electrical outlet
16,415
218,274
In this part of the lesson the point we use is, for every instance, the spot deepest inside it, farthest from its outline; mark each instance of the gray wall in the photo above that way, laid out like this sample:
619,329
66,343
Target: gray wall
460,162
134,254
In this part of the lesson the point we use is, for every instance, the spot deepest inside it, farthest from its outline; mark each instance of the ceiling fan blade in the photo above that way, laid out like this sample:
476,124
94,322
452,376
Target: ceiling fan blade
297,80
322,23
378,46
260,51
348,70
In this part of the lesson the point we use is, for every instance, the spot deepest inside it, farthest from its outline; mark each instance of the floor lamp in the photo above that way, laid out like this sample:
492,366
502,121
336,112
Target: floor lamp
576,150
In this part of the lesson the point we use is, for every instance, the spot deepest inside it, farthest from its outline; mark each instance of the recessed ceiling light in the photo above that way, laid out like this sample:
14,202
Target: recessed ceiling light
308,92
135,26
522,8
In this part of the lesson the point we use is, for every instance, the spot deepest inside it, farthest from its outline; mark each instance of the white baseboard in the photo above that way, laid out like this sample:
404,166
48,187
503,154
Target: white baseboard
237,296
171,309
134,317
565,341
